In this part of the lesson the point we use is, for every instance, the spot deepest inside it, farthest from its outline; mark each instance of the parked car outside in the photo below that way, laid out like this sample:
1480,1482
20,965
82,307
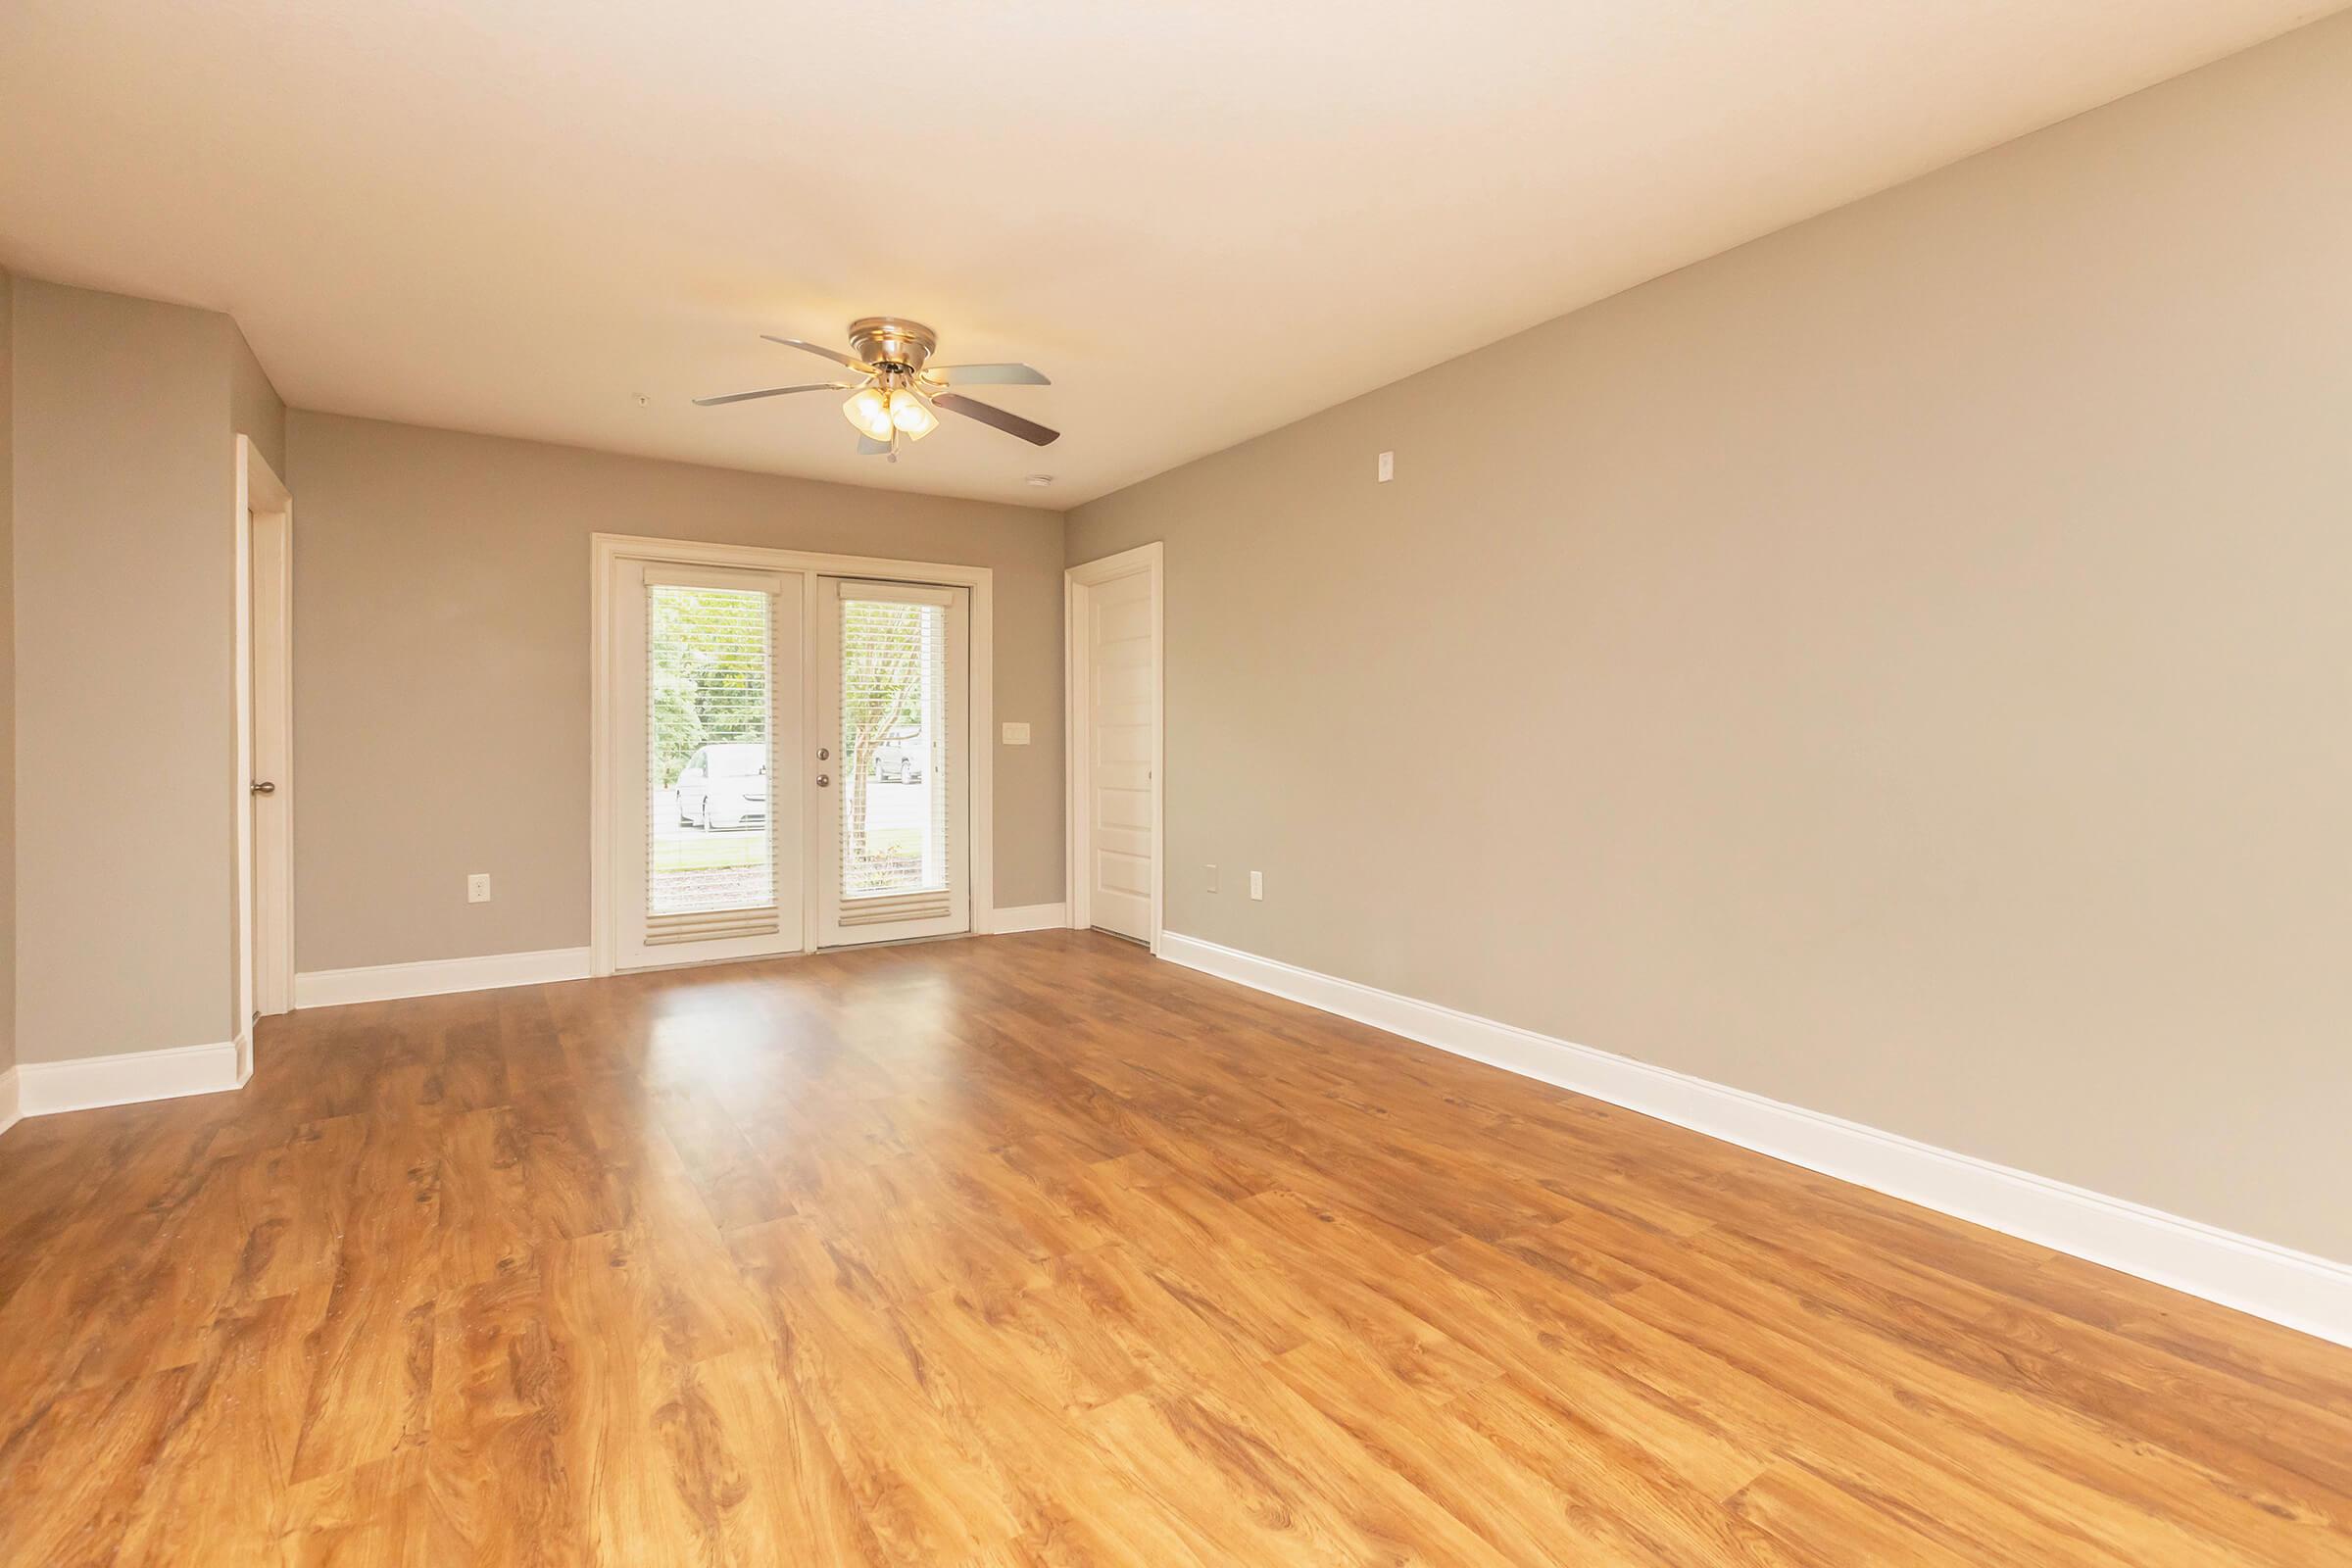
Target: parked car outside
724,786
901,758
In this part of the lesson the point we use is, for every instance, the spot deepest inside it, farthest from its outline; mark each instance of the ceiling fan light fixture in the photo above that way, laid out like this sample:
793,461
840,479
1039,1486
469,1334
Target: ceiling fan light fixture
909,412
894,392
869,412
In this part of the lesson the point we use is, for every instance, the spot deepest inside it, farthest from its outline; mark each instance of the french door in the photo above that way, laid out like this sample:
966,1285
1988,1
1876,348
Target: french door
708,736
785,751
892,808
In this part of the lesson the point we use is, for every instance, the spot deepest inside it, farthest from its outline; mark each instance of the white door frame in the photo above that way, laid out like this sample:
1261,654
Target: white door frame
1077,584
607,551
264,751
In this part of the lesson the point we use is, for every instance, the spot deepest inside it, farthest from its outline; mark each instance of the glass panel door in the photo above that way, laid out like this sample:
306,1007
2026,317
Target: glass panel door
893,813
710,842
710,688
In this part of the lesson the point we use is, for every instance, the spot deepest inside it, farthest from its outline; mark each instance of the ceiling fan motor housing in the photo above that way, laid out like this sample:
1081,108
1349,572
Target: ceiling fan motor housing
889,340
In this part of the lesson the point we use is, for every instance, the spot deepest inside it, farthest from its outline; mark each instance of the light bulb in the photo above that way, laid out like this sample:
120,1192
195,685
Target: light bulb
907,412
869,412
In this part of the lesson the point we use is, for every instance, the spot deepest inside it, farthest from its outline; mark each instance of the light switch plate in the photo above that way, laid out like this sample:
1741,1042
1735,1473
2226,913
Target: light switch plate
1257,884
1388,466
1016,734
477,888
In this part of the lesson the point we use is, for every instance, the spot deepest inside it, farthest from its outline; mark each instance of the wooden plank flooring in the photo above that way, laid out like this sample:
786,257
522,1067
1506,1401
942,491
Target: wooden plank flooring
1029,1250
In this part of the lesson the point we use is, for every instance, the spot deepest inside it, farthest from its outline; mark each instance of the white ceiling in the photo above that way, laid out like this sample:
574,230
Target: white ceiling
1202,218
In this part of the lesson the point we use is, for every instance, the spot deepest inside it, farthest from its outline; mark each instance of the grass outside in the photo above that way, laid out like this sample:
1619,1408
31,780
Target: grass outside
711,851
736,851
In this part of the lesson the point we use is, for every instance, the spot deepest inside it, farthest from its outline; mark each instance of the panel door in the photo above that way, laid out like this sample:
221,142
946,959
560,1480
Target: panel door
893,795
1123,695
708,842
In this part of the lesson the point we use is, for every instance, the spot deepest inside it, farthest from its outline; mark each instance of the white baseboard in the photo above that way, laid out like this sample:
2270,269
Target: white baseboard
45,1088
1032,918
387,982
2295,1289
10,1115
436,977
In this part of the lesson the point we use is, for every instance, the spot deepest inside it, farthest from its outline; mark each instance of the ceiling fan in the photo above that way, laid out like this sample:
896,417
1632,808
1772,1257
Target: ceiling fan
897,389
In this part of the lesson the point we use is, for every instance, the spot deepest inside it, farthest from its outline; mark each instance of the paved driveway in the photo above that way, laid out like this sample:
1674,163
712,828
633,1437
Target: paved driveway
680,847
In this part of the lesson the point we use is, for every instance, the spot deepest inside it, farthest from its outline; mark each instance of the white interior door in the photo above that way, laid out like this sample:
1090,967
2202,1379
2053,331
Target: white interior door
262,615
1122,725
269,796
893,797
707,735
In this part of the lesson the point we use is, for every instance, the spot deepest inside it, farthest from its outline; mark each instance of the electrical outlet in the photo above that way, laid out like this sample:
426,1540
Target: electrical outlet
1257,884
1213,879
477,888
1388,466
1016,734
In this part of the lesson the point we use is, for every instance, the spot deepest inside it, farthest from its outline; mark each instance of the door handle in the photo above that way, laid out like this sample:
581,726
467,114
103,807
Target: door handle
823,779
264,787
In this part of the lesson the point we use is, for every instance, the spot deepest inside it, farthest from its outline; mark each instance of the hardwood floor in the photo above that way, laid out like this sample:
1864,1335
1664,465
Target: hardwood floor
1032,1251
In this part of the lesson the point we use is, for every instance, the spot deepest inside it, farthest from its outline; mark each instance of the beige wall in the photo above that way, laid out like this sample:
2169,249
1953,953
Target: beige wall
441,665
8,676
254,409
125,485
1902,666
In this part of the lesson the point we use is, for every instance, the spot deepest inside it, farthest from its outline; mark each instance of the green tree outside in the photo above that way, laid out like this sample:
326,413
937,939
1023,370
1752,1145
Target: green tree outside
707,680
708,672
881,694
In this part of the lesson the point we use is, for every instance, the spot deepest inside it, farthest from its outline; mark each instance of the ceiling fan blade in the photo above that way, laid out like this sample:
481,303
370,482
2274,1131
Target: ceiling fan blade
772,392
869,447
1028,430
988,375
835,355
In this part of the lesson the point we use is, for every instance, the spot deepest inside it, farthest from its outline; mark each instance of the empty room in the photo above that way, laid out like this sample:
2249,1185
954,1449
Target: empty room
1055,783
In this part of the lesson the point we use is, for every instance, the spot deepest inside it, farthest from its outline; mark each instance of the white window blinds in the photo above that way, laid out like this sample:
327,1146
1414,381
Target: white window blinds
897,805
710,763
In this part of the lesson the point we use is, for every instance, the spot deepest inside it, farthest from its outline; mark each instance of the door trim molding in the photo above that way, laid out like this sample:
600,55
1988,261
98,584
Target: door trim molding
2296,1289
1077,727
608,550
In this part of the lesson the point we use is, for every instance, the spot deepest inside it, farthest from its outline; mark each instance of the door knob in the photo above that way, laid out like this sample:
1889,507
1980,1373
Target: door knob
264,787
823,752
823,779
